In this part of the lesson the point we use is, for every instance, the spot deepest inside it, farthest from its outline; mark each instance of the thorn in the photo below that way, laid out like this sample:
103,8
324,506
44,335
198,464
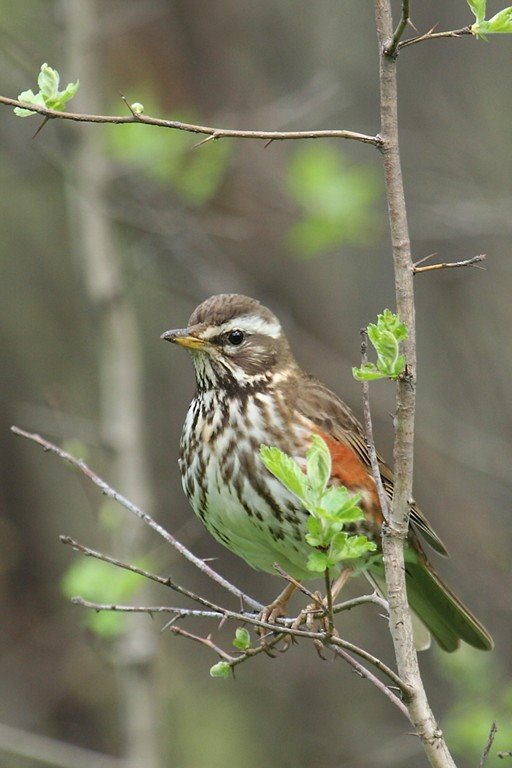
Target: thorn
212,137
268,143
425,258
171,622
222,622
134,114
411,24
41,126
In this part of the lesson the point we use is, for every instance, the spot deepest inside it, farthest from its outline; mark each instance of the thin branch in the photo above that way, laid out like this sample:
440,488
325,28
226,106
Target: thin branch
392,48
373,598
473,262
43,750
149,609
212,133
113,494
282,628
431,35
488,746
366,673
328,592
248,618
166,581
368,428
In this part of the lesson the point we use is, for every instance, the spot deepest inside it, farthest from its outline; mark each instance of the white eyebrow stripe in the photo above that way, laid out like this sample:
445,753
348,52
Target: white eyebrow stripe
249,324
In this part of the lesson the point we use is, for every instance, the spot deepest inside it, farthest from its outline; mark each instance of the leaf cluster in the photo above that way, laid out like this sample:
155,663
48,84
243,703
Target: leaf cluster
331,507
385,336
500,23
48,95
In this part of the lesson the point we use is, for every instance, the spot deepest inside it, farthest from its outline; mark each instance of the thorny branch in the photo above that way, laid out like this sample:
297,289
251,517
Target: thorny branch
432,35
277,632
209,131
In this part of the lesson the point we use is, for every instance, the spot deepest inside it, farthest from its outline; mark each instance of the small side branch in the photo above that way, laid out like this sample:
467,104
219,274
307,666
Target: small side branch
368,428
473,262
209,131
362,671
488,746
392,48
432,35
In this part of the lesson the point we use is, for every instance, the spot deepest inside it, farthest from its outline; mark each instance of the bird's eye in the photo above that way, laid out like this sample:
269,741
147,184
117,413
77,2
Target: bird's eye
235,337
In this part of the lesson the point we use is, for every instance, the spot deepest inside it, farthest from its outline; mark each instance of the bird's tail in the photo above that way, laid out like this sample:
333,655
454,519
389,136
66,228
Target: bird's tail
438,608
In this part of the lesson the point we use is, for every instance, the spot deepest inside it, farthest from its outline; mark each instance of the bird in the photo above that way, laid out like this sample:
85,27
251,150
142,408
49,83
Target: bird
251,391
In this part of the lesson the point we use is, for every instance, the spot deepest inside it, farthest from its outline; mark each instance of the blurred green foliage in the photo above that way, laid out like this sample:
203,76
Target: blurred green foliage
100,582
337,200
481,696
169,158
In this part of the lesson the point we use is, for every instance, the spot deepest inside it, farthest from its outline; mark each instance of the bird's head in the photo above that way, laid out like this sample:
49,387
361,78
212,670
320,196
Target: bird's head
234,342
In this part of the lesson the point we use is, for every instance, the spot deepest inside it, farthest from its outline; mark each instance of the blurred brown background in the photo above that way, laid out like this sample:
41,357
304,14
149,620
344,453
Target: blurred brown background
106,242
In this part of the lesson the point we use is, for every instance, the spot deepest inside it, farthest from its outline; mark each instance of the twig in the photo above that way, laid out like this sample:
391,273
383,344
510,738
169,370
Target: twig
488,746
328,592
166,581
366,673
368,428
203,640
431,35
297,584
392,48
212,133
373,598
113,494
149,609
473,262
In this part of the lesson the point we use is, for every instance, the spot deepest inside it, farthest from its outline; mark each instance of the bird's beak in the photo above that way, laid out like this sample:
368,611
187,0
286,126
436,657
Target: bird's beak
183,337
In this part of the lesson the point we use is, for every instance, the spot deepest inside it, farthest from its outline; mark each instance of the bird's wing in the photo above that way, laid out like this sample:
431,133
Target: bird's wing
334,418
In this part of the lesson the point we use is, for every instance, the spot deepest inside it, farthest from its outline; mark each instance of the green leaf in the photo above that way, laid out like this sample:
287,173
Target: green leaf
386,336
318,562
29,97
478,7
242,639
344,547
501,23
368,372
62,97
318,465
286,470
220,669
49,95
339,501
48,82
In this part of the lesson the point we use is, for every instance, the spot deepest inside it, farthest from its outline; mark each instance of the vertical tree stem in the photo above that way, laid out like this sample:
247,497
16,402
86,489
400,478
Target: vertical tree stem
396,529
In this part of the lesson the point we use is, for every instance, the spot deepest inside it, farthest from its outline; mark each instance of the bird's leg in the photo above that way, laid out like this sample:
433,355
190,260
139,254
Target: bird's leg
278,606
